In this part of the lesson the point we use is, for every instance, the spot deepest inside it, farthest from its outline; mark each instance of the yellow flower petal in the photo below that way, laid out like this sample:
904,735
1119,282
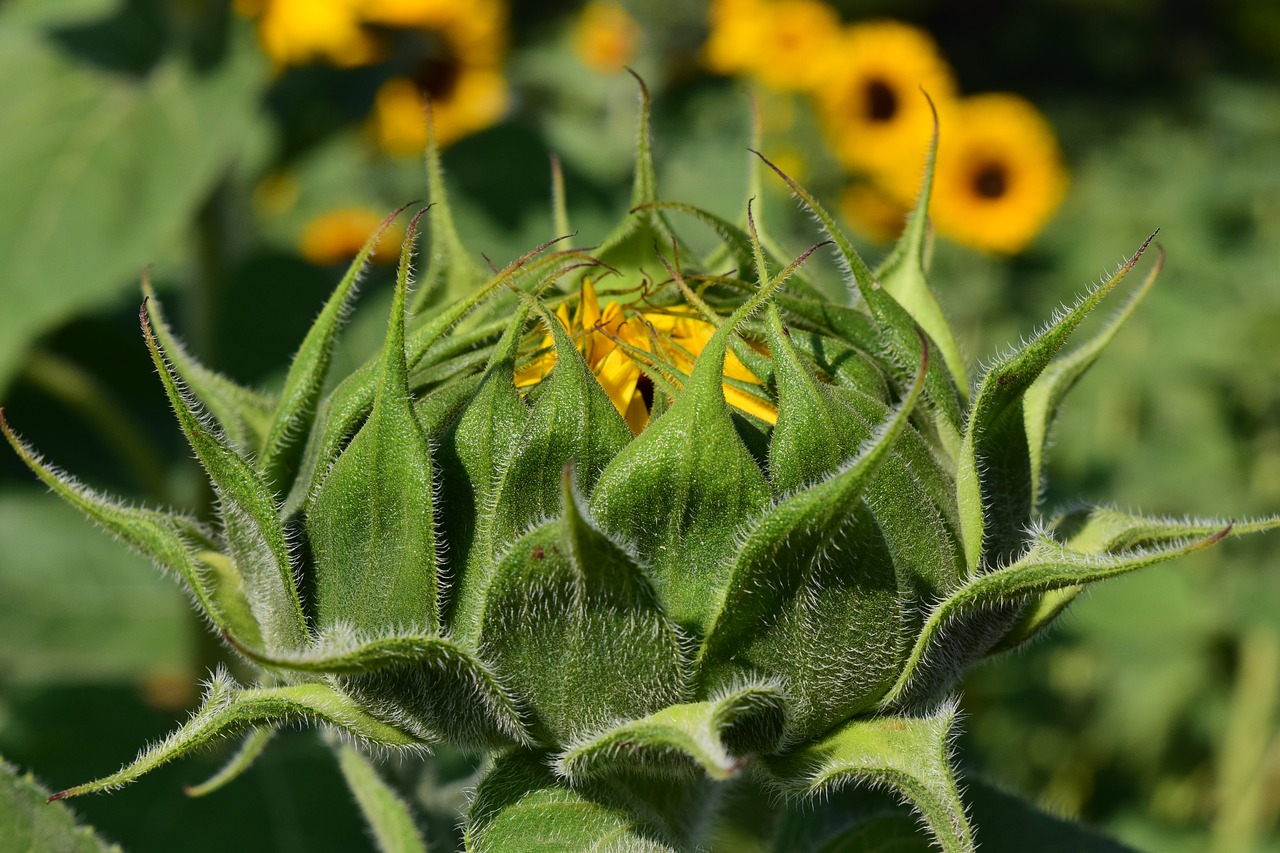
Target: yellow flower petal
675,335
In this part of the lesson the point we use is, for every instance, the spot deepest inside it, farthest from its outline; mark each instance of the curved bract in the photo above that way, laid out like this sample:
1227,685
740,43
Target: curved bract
571,538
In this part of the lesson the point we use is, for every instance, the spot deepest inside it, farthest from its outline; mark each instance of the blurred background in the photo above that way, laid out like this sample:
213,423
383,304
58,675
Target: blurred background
243,151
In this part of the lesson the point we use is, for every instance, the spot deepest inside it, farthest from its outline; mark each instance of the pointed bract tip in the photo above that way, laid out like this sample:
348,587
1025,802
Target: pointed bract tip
412,230
644,87
1132,262
4,424
61,795
933,108
1221,534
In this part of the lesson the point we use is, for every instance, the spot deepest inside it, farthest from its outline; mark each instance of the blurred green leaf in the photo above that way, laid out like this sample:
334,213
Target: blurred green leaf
28,823
103,172
75,607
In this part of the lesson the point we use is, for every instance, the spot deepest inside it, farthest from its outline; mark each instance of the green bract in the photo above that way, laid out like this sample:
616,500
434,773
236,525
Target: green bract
632,625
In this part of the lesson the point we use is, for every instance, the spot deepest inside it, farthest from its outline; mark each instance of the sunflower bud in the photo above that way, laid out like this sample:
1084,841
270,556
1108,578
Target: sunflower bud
608,529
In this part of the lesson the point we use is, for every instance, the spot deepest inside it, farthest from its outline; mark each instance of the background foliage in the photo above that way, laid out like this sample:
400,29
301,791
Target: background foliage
158,133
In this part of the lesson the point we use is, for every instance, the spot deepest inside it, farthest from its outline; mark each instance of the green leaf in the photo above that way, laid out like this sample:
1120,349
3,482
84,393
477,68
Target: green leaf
572,421
243,414
347,405
452,273
29,823
904,274
520,807
250,749
845,365
1044,396
254,535
302,386
572,623
388,816
1103,530
859,821
971,621
1004,822
372,523
897,327
471,457
851,820
716,737
820,428
909,755
736,242
426,685
1106,530
994,488
685,487
630,244
794,606
93,144
174,543
227,711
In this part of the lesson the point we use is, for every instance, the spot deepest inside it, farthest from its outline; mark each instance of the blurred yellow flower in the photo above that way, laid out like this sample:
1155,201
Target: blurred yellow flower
1000,175
679,336
470,100
338,235
605,37
873,212
781,43
295,32
873,112
473,31
458,47
460,71
737,28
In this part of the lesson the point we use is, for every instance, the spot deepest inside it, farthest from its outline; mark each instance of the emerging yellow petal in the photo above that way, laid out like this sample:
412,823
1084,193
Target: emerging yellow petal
610,340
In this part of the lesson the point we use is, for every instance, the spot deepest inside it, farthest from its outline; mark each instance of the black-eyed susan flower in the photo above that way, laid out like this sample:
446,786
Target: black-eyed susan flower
605,37
460,45
454,49
337,236
873,111
1000,174
613,337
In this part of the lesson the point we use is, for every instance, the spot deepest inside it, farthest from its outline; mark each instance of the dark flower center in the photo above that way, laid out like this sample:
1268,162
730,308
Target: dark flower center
437,76
881,100
991,180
